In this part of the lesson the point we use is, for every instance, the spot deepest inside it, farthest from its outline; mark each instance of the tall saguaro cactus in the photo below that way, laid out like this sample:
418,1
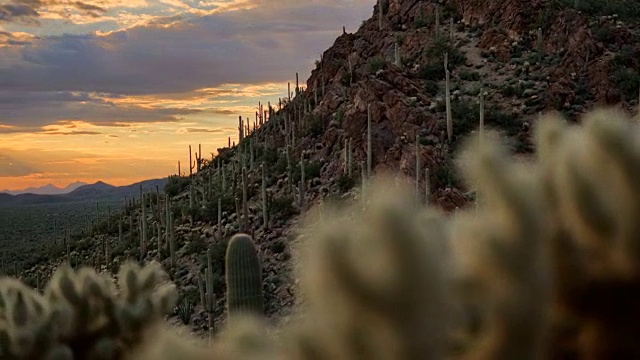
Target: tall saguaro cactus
380,13
265,214
448,99
243,277
369,155
172,240
417,168
143,235
210,296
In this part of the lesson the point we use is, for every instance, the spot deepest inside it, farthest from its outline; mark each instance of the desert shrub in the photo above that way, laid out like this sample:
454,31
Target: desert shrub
441,45
432,87
282,207
377,63
311,171
316,127
196,245
176,184
346,79
269,156
469,75
345,183
278,246
431,71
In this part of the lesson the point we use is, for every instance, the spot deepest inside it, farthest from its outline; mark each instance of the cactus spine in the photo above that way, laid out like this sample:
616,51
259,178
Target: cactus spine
243,277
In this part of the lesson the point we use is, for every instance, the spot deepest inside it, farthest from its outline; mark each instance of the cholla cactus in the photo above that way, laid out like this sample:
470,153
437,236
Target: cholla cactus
502,256
80,316
377,279
593,177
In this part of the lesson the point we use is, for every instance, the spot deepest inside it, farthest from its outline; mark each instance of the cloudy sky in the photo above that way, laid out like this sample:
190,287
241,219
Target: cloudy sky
116,90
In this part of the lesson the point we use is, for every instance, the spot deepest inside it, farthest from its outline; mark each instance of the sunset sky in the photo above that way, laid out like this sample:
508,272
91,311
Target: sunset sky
116,90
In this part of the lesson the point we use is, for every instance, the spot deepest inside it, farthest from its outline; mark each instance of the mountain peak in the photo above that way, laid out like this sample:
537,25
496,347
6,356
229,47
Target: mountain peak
48,189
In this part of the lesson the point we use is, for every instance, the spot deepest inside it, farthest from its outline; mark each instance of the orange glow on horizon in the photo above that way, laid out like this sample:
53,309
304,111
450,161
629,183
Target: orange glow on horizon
122,153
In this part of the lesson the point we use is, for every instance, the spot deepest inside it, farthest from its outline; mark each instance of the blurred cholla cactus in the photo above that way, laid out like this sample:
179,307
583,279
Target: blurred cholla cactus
592,175
375,282
501,253
81,316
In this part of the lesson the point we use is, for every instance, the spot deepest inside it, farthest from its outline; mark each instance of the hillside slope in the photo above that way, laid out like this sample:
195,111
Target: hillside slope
494,50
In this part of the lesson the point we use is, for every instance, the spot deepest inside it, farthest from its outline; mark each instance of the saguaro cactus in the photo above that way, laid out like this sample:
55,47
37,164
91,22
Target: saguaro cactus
540,45
302,184
369,155
417,168
380,13
265,214
172,240
448,99
210,296
243,277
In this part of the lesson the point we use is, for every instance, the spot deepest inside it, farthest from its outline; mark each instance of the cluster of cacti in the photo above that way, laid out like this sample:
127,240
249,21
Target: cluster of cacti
80,316
555,244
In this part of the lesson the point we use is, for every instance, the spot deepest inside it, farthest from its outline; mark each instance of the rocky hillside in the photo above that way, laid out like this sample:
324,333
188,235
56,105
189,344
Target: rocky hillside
392,72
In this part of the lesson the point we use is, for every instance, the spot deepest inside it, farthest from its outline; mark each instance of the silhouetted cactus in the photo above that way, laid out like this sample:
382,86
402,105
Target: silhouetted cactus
243,276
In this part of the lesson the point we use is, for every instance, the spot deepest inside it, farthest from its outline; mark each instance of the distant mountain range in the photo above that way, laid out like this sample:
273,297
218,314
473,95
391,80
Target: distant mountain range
99,191
48,189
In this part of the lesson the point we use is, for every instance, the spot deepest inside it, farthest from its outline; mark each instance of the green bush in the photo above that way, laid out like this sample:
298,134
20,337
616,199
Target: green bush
469,75
377,63
432,71
311,171
345,183
282,206
441,45
432,87
176,184
624,74
316,127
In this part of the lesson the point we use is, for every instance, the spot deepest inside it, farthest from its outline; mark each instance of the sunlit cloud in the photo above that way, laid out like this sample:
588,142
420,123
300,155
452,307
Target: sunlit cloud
100,87
14,167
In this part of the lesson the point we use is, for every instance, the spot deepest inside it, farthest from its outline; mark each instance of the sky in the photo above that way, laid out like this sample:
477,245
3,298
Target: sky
117,90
